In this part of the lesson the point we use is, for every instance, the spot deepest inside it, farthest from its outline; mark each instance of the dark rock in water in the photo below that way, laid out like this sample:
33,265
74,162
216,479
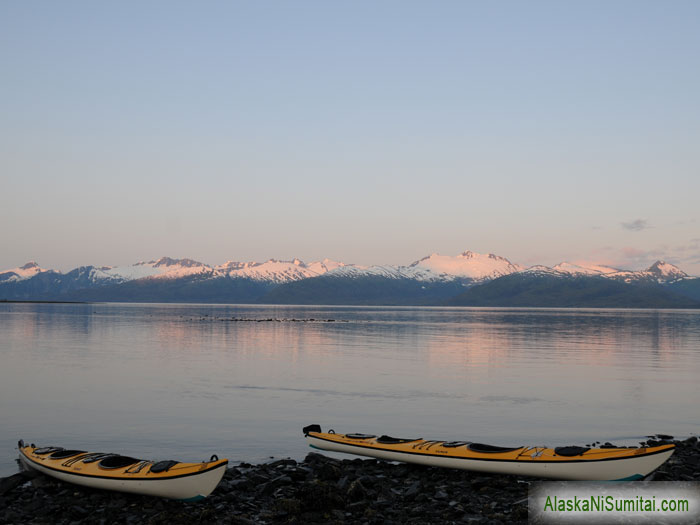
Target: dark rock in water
318,490
282,463
315,457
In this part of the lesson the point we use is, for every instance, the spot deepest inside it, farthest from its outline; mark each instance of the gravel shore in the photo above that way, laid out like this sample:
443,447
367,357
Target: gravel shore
317,490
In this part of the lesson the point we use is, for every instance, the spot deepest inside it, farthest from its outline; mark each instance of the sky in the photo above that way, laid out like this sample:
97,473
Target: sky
365,132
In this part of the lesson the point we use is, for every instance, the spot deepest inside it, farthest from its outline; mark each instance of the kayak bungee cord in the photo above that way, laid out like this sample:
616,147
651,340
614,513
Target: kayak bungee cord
81,457
426,445
135,469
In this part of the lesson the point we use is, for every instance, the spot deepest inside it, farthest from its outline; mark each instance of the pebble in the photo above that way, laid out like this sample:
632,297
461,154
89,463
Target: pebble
317,490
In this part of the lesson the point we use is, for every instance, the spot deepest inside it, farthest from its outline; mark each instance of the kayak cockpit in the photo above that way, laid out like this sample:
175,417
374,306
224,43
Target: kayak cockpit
490,449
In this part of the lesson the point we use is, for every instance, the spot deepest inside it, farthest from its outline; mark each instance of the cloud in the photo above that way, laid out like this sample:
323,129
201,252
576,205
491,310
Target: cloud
636,225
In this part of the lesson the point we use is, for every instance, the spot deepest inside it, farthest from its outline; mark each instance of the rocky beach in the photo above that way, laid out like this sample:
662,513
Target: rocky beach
318,489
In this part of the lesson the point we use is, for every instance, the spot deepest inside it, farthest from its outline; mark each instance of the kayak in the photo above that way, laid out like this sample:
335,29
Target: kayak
167,479
568,463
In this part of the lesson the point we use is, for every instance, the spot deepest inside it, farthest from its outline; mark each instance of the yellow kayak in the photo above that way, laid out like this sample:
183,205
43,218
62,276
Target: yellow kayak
570,463
168,479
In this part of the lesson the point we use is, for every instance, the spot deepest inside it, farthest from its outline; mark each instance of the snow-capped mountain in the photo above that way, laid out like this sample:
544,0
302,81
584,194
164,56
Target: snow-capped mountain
469,264
539,269
584,268
666,272
277,271
272,271
430,280
387,271
166,268
20,273
163,268
660,272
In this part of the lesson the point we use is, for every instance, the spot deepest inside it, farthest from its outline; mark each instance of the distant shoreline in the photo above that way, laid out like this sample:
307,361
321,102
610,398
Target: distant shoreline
356,305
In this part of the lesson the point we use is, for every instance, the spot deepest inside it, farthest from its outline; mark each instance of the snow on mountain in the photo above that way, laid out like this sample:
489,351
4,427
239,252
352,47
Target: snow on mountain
660,272
471,265
169,268
163,268
21,273
539,269
435,267
468,265
666,272
278,271
326,265
584,268
391,272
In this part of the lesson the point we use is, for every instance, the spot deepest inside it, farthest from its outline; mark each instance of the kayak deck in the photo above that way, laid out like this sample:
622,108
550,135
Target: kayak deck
582,463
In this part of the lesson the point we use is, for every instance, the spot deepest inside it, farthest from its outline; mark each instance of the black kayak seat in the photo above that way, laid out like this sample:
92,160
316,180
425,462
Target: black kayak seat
112,462
388,440
455,444
570,451
47,450
490,449
63,454
163,466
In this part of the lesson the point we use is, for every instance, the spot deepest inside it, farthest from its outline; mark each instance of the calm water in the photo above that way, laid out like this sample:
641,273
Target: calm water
186,381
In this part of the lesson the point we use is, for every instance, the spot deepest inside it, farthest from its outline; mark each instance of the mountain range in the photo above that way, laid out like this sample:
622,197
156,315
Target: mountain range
467,279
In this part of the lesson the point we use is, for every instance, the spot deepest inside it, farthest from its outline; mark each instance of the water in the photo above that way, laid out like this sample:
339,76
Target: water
186,381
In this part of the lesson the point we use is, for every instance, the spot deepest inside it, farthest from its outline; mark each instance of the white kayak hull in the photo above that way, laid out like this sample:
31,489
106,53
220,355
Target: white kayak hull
627,468
190,487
